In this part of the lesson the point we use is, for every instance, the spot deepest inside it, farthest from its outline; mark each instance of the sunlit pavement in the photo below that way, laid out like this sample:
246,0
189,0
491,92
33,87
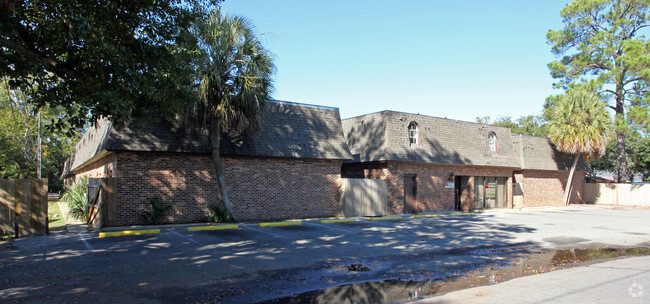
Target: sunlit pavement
257,263
618,281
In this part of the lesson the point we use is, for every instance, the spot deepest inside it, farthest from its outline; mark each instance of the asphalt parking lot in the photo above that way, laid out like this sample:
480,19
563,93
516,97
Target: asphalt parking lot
255,263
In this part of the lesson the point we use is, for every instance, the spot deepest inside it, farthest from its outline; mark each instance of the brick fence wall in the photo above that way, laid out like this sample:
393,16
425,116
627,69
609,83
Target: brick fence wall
259,188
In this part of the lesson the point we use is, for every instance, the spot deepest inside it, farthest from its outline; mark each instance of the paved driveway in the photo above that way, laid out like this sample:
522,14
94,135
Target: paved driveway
258,263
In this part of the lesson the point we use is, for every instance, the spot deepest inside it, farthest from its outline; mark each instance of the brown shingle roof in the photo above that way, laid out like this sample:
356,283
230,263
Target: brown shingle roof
287,130
539,153
383,136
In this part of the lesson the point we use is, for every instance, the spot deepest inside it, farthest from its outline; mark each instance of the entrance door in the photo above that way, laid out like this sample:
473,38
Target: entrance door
410,203
457,193
490,192
462,189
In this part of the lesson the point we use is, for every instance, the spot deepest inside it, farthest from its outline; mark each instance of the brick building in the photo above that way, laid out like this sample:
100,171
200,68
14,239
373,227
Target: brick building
435,164
290,168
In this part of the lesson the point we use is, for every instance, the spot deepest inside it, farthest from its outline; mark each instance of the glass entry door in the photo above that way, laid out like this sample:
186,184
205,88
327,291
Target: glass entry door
489,192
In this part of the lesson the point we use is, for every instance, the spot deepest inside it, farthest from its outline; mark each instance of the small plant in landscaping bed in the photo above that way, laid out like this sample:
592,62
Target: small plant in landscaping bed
218,213
158,212
76,197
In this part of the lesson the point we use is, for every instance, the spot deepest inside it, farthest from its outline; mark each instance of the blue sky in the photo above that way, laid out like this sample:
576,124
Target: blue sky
454,59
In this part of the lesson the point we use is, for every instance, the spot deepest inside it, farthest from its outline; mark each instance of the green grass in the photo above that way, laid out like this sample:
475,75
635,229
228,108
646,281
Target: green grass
57,222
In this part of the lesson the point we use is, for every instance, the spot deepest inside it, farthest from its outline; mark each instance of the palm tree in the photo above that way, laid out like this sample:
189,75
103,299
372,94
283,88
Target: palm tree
76,197
579,125
236,83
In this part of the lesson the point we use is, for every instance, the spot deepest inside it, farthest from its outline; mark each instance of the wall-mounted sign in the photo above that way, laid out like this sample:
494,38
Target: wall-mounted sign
449,185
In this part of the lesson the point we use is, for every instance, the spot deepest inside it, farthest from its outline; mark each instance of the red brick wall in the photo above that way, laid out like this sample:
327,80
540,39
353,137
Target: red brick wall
185,180
431,192
263,188
98,169
259,188
546,188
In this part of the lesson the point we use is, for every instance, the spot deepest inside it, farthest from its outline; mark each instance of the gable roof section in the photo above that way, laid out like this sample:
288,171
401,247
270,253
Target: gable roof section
383,136
539,153
287,130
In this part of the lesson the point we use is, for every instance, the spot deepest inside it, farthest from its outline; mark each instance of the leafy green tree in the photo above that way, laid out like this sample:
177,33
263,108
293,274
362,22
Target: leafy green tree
123,59
529,125
638,153
640,157
19,139
579,125
236,84
604,50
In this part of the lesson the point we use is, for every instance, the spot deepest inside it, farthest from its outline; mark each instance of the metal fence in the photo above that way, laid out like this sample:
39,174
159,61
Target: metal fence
364,197
23,206
618,194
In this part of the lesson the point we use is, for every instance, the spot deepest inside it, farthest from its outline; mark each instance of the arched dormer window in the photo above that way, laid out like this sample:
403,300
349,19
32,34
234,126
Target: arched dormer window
492,141
414,135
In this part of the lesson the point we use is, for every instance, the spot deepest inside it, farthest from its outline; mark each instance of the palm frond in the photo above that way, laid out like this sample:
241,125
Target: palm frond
580,124
75,196
238,78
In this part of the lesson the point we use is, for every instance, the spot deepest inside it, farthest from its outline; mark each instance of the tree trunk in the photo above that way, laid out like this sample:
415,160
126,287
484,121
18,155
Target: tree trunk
569,182
215,140
621,160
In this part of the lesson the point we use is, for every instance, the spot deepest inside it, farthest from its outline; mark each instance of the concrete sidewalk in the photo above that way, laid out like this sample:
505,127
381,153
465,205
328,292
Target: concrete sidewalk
73,225
618,281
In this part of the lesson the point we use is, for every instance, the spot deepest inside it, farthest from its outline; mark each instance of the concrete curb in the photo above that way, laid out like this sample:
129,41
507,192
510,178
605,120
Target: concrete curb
144,227
461,214
128,232
277,224
386,218
213,227
139,230
426,215
337,221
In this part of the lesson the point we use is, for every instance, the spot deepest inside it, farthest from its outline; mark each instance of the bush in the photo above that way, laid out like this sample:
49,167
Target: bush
76,197
158,212
218,213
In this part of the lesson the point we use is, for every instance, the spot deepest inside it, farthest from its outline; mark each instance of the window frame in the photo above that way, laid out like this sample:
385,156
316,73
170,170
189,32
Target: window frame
493,142
414,134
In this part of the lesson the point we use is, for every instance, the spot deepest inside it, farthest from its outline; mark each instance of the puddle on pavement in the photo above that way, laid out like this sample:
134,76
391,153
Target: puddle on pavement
519,265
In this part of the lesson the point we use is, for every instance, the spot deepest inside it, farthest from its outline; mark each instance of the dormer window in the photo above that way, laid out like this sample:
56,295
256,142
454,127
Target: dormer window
414,135
492,141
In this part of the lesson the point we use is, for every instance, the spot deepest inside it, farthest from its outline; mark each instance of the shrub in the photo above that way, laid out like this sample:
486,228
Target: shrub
76,197
218,213
158,212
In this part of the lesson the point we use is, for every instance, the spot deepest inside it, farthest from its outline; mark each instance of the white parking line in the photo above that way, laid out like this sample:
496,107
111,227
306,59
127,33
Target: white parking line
262,231
90,248
186,237
327,226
